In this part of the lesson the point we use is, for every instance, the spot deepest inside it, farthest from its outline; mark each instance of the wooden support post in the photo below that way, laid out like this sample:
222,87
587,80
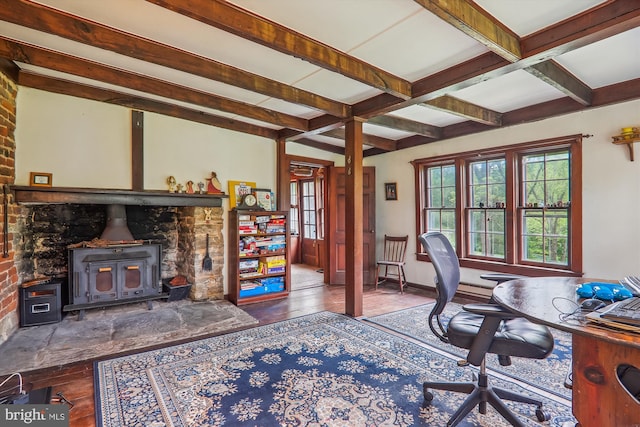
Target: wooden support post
353,217
282,177
137,150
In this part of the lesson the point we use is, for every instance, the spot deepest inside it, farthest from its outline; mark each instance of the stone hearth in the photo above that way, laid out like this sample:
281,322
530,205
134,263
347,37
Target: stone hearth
121,329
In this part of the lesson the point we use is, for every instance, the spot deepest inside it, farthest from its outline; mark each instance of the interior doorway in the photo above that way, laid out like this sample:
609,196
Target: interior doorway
307,190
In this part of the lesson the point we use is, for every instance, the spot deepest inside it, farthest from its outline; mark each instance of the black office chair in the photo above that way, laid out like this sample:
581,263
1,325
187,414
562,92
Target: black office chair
482,329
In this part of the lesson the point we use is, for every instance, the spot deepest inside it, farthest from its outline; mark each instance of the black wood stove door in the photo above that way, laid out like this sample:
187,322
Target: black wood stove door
117,280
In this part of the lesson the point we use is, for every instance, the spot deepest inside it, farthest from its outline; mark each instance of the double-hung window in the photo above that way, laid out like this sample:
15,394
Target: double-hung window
440,210
512,209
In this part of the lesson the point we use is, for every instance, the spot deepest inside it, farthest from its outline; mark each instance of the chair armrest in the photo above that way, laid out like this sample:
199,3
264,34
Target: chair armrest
490,310
500,277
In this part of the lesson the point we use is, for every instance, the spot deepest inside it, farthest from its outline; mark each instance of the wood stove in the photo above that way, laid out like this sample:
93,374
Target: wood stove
101,277
115,269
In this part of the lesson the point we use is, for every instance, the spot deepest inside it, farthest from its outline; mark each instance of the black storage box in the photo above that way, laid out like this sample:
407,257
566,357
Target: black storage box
41,303
176,292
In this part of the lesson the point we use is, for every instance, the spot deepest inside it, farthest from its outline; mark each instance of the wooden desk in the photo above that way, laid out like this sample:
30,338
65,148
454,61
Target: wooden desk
599,399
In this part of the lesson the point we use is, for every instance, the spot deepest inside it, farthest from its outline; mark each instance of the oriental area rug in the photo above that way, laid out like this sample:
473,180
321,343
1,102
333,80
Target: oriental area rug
323,369
549,373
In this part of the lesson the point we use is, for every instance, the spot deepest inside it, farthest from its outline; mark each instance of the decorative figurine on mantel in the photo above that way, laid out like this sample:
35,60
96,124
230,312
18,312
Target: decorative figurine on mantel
190,189
180,188
213,185
201,187
171,181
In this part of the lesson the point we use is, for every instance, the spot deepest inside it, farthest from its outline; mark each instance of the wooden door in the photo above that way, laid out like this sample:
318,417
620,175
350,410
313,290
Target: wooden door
309,222
336,232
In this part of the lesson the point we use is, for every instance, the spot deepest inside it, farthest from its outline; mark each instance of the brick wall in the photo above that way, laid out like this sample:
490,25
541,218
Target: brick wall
8,272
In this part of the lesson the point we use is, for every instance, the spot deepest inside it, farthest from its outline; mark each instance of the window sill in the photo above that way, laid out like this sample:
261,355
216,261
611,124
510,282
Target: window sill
500,267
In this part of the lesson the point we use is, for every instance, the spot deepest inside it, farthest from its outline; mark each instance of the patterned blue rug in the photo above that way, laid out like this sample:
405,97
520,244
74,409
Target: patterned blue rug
548,373
323,369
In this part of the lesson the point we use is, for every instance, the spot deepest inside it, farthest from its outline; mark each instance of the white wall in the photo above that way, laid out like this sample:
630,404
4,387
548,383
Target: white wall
82,143
87,144
304,151
611,189
191,151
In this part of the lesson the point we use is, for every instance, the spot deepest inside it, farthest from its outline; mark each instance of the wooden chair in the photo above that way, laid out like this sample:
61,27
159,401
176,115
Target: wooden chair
395,250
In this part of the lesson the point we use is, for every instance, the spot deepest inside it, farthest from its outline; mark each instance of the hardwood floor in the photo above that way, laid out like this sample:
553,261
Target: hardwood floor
75,381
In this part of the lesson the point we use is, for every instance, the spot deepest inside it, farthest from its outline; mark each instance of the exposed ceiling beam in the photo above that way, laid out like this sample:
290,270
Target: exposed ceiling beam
235,20
371,140
64,87
475,22
607,95
399,123
465,109
610,19
10,69
597,24
29,54
52,21
554,74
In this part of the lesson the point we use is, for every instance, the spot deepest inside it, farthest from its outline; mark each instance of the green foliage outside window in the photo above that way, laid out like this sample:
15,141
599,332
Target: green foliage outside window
546,183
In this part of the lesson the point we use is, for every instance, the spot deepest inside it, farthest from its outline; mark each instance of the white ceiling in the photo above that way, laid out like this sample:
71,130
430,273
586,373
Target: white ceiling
398,36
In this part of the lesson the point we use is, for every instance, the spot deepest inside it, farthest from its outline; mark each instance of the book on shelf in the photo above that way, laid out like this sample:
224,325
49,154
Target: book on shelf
248,264
250,275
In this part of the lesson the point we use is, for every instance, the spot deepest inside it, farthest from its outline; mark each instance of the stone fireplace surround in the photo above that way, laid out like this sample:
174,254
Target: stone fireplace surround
43,231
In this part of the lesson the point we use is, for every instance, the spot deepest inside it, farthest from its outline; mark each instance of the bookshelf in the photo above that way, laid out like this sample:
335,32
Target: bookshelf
259,267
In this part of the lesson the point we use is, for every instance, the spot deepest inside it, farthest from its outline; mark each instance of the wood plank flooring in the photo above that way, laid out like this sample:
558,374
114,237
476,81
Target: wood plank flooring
75,381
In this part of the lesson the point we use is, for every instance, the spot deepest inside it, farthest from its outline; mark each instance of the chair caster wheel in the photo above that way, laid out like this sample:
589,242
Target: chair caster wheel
542,415
428,397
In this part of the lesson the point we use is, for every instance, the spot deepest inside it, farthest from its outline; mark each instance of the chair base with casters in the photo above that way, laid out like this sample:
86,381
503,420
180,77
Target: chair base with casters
480,393
395,250
482,329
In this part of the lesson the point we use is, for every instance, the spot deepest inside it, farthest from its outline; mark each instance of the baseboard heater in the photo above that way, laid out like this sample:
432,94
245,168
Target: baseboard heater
474,290
464,288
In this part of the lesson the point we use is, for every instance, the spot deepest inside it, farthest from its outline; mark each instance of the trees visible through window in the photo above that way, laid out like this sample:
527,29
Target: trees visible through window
545,207
294,212
509,209
487,202
320,201
440,212
309,222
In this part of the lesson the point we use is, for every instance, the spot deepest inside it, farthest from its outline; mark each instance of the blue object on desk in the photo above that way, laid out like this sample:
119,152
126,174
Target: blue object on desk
603,291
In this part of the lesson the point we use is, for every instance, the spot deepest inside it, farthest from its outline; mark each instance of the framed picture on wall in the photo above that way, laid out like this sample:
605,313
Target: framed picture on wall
390,191
40,179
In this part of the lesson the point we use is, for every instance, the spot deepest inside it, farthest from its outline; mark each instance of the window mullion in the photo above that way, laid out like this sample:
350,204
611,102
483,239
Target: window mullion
461,229
512,168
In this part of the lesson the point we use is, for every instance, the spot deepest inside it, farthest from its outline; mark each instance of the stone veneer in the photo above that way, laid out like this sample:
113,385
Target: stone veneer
194,225
47,230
